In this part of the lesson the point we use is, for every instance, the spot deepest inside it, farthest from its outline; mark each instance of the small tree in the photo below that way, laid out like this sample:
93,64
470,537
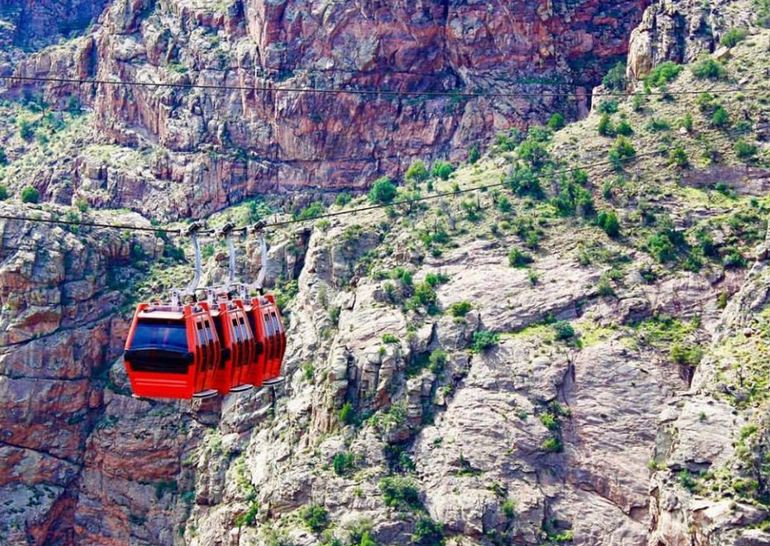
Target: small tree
417,172
3,192
442,170
563,330
3,158
383,191
621,151
720,118
606,128
556,122
615,79
347,414
608,221
30,195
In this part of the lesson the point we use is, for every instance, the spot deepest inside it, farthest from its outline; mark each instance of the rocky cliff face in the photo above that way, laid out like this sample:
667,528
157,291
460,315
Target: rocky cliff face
477,370
231,144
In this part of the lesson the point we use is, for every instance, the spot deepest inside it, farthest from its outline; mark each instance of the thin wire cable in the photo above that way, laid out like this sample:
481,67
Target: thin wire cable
366,92
86,223
281,223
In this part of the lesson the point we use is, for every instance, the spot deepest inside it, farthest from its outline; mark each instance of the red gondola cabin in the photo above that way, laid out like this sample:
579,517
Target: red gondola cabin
265,320
172,351
238,347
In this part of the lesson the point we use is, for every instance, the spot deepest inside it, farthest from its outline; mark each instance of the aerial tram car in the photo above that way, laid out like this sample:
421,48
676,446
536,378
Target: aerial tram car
209,341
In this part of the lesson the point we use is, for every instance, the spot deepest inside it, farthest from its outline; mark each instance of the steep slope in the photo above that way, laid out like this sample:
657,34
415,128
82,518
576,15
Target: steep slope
441,386
211,148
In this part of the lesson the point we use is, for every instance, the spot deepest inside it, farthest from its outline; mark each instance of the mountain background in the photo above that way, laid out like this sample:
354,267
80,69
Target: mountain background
578,352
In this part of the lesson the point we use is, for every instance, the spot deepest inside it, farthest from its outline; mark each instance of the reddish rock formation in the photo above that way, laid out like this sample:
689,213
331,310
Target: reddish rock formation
224,145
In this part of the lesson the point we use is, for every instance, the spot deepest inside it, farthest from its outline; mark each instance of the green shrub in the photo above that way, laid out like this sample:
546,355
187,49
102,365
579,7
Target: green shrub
579,177
30,195
518,258
656,125
709,68
624,128
417,172
663,74
460,309
534,152
343,199
347,414
424,296
689,355
608,106
383,191
313,210
661,247
3,192
442,170
686,122
552,445
615,79
315,517
343,463
745,150
556,122
608,221
550,421
26,129
509,508
563,330
400,492
523,181
505,142
249,516
705,102
484,340
606,128
687,480
389,338
437,361
604,287
3,158
428,532
762,8
621,151
678,156
504,204
733,259
733,37
720,118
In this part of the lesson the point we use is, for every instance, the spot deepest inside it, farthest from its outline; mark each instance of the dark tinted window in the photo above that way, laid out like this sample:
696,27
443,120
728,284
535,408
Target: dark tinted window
160,334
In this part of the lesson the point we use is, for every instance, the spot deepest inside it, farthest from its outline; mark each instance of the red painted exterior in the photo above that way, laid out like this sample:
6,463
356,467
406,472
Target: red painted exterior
202,342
